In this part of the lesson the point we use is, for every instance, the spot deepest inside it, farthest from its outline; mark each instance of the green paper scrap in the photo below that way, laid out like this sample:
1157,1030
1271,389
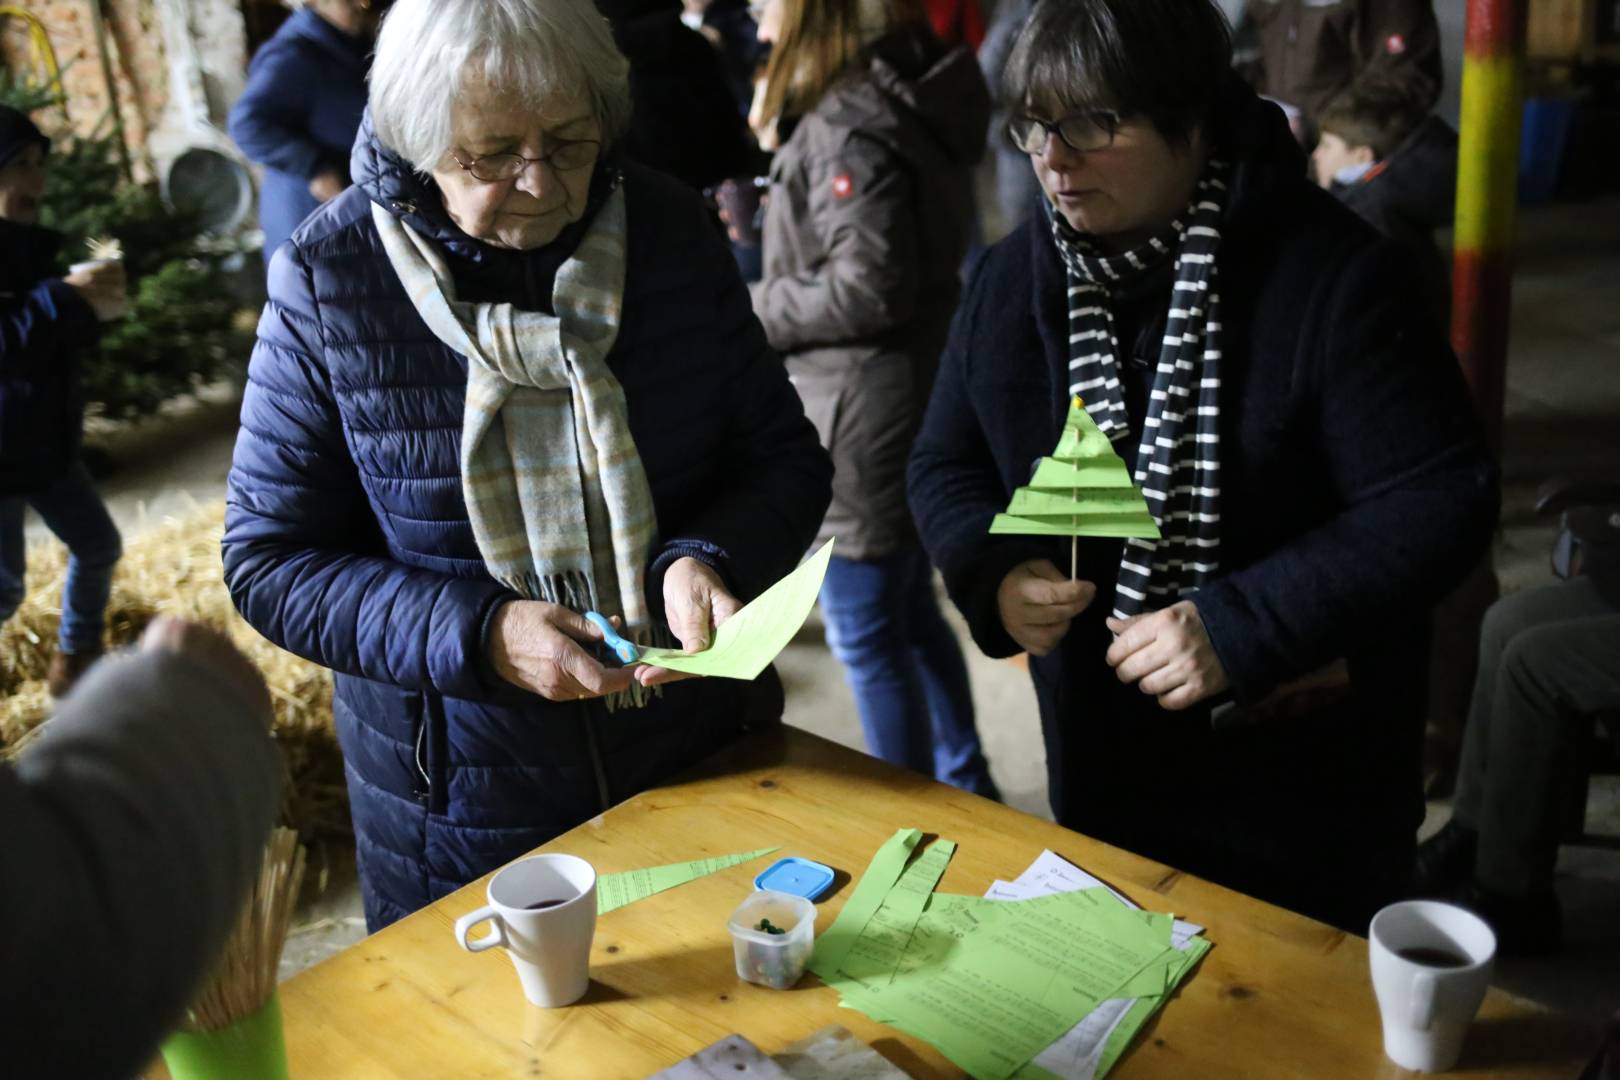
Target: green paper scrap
616,890
882,872
746,643
1011,978
1082,489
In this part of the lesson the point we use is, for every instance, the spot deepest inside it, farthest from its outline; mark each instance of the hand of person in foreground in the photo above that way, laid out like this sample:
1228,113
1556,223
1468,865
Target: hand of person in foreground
210,649
1037,603
696,603
537,646
1168,654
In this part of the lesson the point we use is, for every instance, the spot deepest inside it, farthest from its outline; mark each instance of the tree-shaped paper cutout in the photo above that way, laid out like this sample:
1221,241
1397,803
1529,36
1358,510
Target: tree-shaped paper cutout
1082,489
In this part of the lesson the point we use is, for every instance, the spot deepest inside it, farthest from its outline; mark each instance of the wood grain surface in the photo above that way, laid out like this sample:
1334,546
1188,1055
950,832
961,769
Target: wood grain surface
1278,995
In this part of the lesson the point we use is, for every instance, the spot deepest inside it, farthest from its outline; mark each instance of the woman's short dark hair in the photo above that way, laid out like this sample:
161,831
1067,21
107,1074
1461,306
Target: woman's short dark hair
1162,59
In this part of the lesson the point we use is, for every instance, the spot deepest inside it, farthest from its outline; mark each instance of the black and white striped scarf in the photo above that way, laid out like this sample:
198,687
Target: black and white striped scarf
1178,463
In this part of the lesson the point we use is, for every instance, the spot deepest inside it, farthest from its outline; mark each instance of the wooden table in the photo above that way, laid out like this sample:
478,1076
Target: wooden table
1278,996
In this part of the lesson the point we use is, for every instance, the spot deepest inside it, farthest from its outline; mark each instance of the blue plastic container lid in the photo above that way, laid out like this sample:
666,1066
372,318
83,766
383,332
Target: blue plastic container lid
795,876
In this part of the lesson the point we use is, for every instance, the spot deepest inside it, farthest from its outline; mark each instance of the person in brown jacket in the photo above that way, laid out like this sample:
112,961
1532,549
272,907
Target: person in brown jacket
1310,51
876,128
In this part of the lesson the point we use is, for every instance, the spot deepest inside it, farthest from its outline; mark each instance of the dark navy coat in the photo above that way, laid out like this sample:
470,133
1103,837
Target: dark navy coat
347,539
306,91
44,325
1356,491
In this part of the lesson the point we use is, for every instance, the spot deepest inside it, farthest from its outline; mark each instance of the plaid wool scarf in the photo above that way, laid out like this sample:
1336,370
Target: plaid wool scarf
1178,461
554,486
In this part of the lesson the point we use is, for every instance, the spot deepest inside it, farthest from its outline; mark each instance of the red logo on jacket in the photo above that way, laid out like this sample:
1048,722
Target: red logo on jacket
843,186
1395,44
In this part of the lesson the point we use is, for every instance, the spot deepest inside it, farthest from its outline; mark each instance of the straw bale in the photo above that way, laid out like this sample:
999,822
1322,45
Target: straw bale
174,568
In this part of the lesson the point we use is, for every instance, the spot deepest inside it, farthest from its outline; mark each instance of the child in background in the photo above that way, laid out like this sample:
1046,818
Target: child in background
46,321
1394,166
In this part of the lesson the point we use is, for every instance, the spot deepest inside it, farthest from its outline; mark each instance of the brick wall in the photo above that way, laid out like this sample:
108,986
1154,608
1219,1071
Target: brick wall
134,41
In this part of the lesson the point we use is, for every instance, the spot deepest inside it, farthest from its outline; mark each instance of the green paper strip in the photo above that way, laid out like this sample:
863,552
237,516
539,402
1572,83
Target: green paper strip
746,643
877,953
887,864
1104,525
616,890
1054,475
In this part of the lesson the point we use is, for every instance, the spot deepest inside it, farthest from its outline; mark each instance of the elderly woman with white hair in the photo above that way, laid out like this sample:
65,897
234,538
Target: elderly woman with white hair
505,379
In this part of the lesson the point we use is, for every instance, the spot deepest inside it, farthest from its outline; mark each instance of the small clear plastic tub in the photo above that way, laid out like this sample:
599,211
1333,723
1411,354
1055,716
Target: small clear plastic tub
773,960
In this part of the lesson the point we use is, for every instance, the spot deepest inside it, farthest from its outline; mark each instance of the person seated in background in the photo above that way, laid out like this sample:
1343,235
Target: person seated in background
297,116
878,126
1299,430
1384,157
1311,51
135,827
1549,663
46,322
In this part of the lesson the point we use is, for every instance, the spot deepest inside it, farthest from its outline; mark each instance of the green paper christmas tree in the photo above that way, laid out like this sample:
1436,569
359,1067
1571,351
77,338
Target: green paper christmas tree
1083,489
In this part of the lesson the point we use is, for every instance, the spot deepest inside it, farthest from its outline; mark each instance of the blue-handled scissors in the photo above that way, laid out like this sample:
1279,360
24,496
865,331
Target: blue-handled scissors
626,651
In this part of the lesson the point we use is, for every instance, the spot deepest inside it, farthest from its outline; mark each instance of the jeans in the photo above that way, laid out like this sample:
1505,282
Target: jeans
73,511
905,667
1549,659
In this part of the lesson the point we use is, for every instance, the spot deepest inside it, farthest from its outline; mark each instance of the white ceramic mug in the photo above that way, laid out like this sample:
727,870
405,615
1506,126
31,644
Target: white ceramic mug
1431,966
543,911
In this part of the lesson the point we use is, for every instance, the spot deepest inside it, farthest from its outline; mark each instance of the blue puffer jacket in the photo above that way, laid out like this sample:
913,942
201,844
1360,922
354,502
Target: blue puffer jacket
347,539
297,116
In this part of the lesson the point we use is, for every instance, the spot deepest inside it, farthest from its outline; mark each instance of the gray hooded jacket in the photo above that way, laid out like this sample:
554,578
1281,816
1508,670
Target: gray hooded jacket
870,213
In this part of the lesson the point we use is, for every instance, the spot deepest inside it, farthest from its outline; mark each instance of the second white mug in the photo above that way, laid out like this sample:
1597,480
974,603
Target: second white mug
543,913
1431,965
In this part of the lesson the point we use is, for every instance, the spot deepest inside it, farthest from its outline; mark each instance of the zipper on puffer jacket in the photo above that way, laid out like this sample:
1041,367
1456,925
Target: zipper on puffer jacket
598,769
426,793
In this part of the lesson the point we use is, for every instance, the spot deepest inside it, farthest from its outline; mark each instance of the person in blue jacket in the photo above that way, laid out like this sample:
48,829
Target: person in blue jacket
503,380
46,321
1241,699
299,112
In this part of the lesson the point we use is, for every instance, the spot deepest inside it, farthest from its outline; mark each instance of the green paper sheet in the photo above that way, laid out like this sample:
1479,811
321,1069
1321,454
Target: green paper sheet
887,864
616,890
746,643
1120,1039
1015,977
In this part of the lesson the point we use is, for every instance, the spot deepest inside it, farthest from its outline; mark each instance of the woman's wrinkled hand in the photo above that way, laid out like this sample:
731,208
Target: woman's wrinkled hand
696,602
1037,603
1168,654
537,646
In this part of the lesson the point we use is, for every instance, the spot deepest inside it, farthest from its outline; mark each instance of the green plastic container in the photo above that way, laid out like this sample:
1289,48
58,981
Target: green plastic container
250,1049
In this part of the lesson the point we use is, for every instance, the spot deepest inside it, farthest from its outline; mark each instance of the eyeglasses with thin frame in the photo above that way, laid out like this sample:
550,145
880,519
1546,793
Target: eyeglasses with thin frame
565,155
1084,132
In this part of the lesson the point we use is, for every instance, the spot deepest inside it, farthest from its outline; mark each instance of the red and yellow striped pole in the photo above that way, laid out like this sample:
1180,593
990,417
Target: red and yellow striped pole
1487,196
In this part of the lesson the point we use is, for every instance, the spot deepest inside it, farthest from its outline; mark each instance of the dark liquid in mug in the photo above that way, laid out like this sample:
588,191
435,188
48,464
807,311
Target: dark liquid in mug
541,905
1432,957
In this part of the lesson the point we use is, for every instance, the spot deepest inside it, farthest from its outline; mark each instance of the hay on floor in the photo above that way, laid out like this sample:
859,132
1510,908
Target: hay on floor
175,569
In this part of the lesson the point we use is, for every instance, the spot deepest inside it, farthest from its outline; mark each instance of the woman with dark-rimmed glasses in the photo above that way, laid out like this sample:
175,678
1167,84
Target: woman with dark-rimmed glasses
1242,698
